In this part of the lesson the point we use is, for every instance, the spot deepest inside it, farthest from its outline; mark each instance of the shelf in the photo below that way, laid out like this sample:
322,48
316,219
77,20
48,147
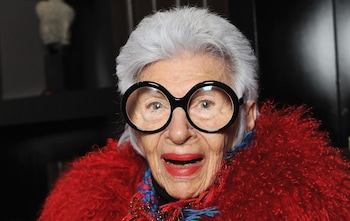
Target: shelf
57,107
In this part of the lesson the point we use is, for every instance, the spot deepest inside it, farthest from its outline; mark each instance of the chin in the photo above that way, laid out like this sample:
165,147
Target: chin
184,191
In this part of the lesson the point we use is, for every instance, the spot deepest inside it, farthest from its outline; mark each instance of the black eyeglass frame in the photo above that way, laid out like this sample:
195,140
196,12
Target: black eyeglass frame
180,102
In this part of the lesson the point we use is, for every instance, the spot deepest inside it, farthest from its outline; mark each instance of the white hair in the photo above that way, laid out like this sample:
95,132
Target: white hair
165,34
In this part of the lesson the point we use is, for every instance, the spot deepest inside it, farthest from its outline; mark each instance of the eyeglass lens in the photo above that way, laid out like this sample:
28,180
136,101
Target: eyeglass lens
210,108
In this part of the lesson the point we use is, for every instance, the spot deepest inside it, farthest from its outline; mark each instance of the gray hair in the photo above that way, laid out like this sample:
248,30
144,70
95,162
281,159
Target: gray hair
165,34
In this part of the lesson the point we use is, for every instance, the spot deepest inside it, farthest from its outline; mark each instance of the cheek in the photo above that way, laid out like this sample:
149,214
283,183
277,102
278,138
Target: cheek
231,137
217,144
148,143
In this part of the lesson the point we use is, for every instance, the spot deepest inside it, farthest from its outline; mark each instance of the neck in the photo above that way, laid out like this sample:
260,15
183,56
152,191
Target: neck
163,196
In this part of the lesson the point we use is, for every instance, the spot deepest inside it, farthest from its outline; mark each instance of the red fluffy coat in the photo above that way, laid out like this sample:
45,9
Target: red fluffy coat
290,172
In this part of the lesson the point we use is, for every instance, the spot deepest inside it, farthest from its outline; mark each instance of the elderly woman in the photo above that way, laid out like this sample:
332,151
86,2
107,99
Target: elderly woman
196,145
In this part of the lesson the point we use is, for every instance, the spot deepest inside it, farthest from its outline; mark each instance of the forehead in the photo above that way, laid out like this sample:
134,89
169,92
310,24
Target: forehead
180,73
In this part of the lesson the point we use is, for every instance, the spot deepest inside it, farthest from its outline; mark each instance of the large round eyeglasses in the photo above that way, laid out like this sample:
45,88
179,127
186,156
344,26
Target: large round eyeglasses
210,106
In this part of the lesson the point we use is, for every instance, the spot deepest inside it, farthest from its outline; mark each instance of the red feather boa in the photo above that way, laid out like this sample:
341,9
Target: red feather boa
290,172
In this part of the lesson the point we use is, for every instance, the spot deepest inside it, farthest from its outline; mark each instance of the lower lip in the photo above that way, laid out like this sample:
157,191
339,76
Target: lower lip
183,171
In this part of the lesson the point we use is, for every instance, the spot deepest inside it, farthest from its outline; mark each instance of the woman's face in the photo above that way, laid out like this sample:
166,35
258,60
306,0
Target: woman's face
182,159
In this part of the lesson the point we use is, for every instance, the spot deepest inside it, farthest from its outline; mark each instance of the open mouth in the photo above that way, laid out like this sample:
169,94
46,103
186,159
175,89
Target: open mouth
183,163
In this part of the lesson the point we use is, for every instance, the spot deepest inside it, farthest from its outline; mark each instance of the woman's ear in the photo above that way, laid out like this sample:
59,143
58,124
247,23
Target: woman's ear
251,114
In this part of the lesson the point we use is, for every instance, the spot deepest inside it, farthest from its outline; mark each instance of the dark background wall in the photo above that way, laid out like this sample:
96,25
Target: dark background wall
305,58
302,47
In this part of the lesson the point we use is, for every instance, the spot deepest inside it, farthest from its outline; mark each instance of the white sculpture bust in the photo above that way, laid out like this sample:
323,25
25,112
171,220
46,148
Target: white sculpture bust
55,17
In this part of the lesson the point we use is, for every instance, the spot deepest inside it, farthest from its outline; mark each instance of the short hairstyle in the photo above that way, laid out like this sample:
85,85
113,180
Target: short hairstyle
164,34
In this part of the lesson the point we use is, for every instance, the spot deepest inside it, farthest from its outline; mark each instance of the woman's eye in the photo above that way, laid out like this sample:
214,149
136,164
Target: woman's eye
205,104
155,106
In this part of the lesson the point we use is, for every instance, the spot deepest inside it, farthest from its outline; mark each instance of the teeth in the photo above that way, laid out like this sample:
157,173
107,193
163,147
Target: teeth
182,163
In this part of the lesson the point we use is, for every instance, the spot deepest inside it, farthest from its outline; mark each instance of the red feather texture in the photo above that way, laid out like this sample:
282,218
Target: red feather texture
290,172
98,186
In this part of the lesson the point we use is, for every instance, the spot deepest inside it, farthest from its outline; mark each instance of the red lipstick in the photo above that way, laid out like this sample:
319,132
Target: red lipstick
180,165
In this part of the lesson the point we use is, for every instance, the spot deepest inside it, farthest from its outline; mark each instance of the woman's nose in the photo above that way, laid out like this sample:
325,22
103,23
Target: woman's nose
179,128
